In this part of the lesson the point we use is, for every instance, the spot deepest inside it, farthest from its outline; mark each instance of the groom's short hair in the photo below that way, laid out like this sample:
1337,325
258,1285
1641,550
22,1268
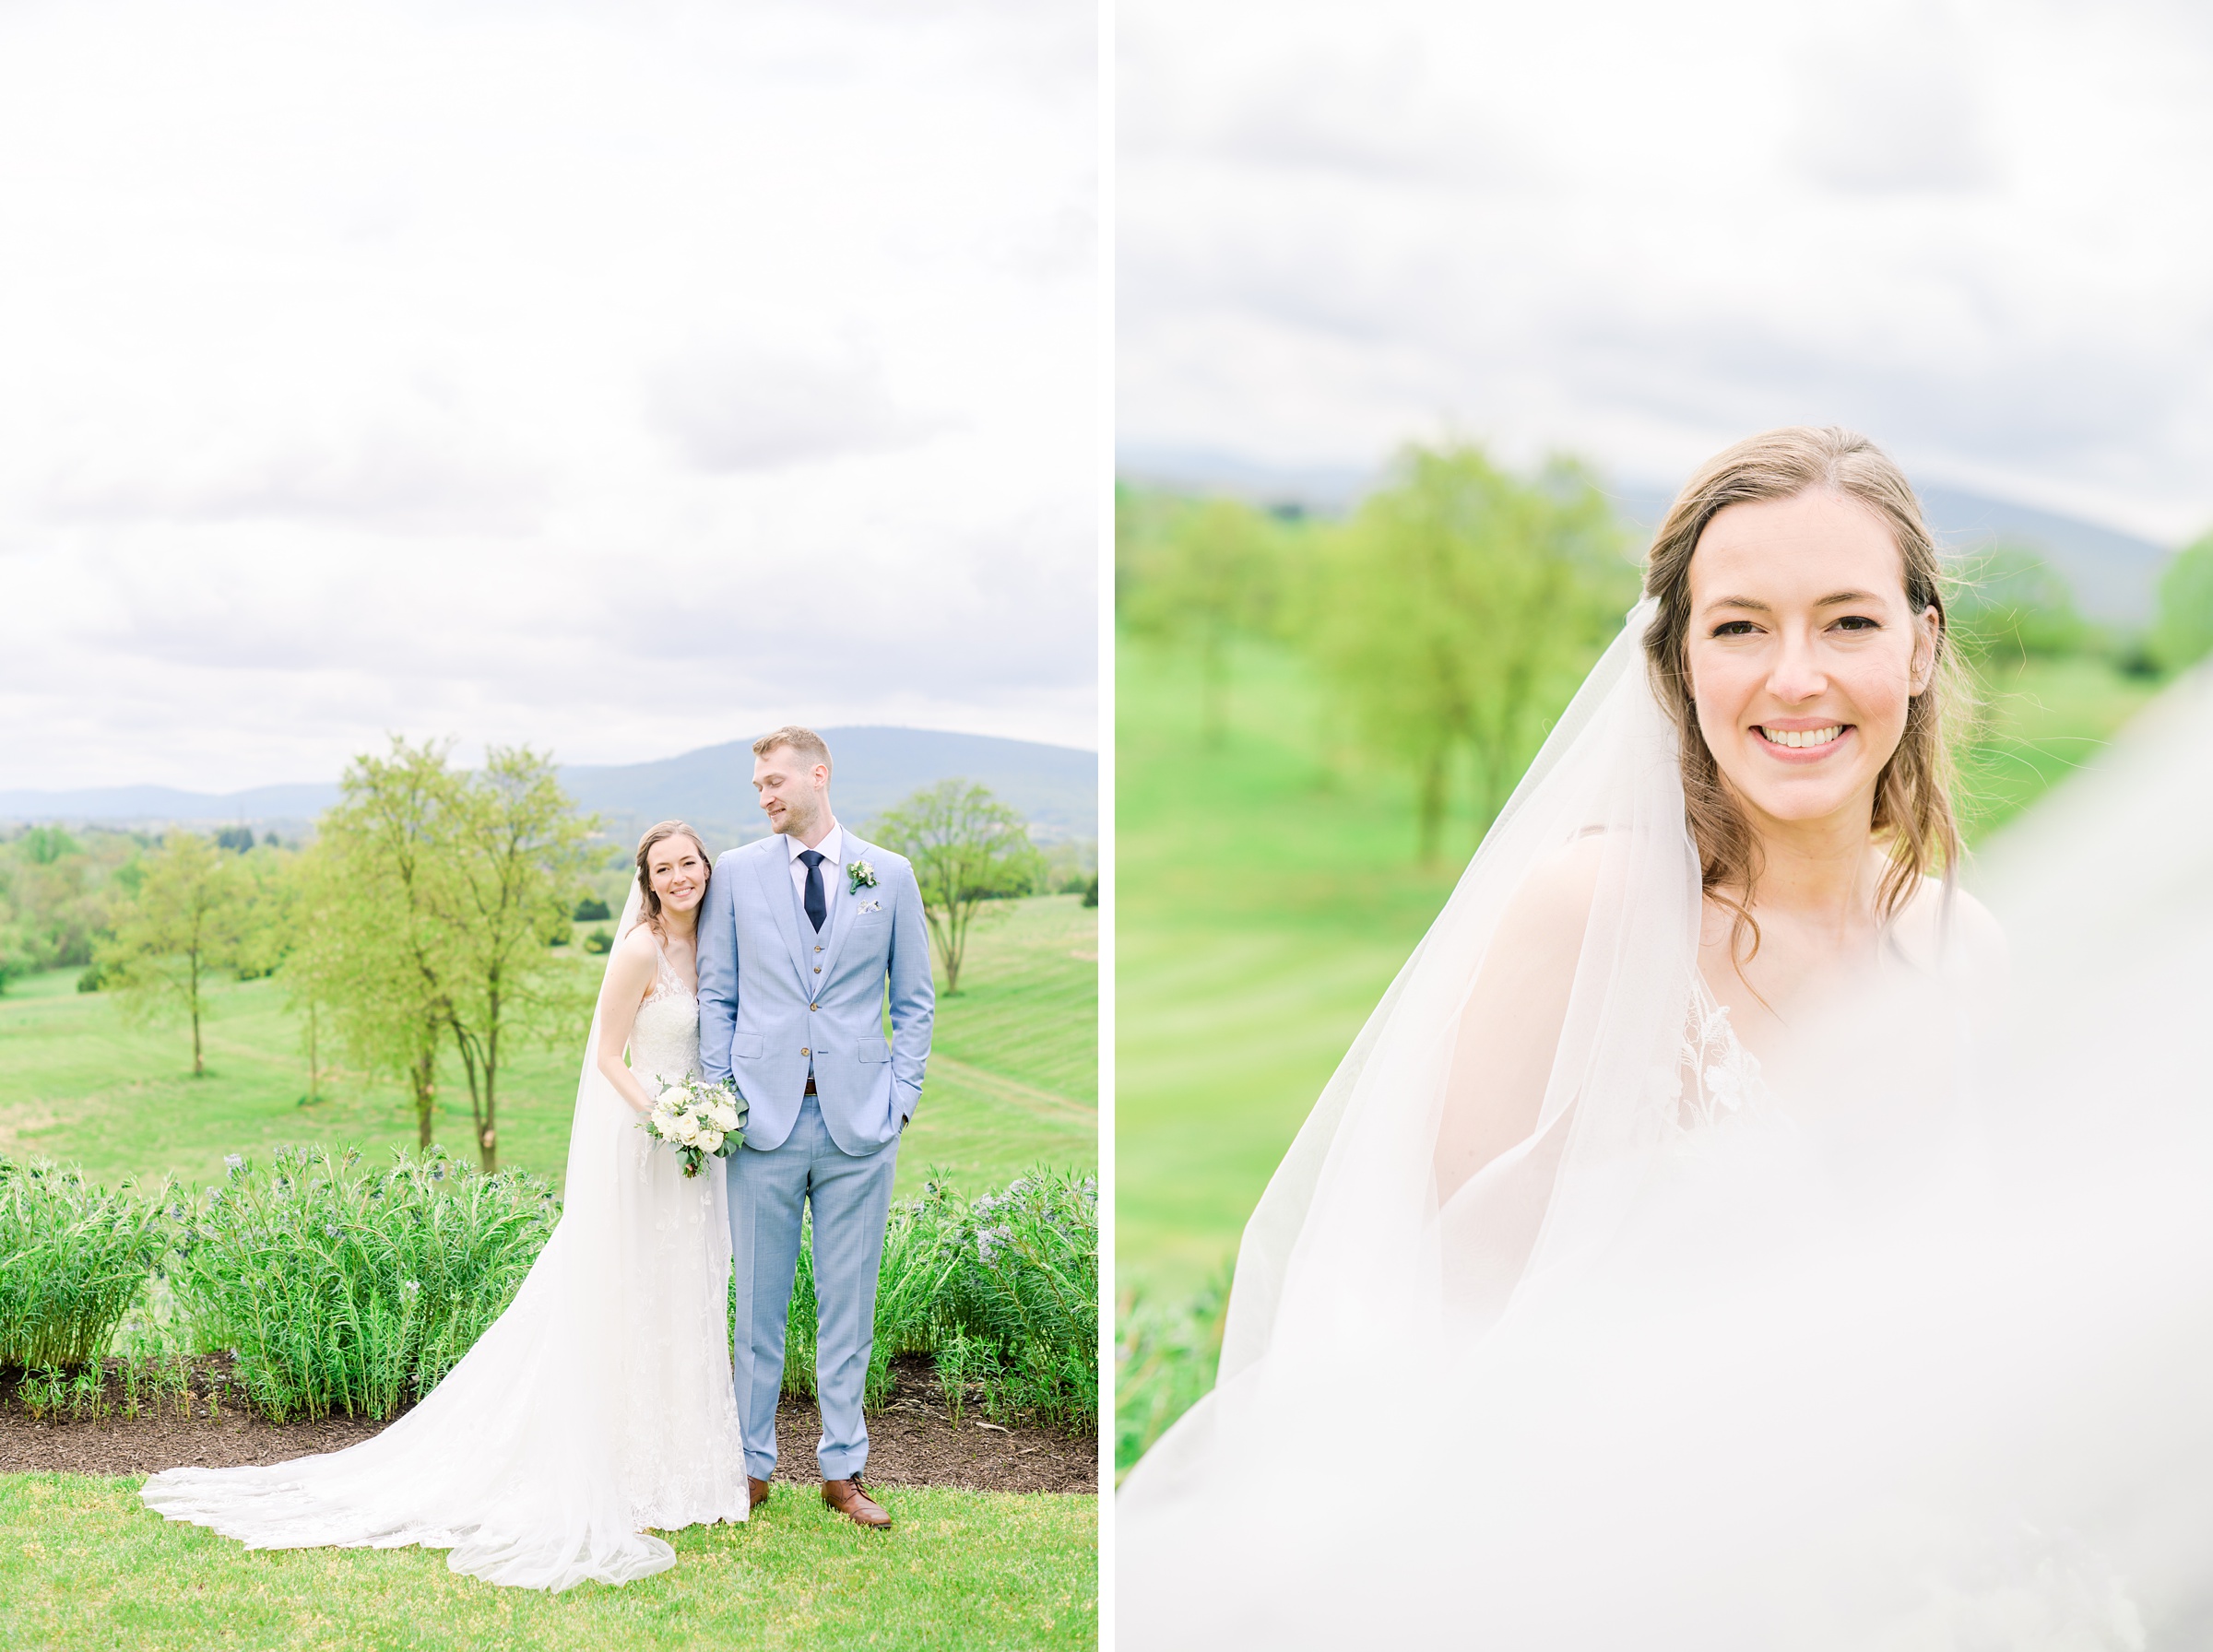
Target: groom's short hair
804,741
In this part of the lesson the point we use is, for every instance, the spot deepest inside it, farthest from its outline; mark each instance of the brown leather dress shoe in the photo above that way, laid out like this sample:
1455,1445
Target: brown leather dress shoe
847,1497
756,1493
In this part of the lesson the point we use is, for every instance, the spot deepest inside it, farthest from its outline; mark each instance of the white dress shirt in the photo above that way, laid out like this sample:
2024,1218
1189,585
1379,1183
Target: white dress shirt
833,851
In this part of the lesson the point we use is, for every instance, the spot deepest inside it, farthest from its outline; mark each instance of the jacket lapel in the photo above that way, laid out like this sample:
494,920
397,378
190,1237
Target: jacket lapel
843,899
774,869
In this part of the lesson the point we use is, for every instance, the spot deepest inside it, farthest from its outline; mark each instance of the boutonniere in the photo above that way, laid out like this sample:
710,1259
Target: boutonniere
860,875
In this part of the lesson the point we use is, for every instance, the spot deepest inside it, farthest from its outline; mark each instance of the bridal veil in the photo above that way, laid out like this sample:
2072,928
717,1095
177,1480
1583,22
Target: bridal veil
1578,918
598,1405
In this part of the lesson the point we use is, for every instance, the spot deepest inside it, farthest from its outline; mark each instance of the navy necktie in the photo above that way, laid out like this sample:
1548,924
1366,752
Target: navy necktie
817,908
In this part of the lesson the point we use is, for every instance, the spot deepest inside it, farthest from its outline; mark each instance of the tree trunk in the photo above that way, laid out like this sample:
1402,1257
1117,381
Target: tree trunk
315,1070
1491,761
488,1137
424,1076
476,1091
192,994
1432,805
1214,689
957,914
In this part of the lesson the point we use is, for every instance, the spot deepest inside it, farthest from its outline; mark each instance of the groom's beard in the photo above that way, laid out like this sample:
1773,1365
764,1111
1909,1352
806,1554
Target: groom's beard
792,824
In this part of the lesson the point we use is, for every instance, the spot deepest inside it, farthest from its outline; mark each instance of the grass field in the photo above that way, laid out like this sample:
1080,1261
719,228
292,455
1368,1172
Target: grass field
1261,912
84,1565
1013,1078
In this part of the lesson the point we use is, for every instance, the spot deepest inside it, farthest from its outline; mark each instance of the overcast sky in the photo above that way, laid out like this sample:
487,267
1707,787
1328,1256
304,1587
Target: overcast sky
619,377
1982,233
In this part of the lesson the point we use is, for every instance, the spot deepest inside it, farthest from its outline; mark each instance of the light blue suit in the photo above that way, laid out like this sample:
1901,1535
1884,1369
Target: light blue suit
778,1002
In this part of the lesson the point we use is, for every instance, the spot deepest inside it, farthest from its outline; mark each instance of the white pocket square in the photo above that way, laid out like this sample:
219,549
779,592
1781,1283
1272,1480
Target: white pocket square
871,906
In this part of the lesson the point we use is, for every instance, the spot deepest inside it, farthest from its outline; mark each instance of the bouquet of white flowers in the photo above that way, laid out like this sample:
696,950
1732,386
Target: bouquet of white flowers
700,1120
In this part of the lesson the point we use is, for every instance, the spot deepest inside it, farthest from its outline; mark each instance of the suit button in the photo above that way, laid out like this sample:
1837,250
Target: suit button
818,969
814,1006
806,1052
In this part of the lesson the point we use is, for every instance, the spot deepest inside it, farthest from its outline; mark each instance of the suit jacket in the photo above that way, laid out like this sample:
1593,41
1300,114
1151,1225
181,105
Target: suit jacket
775,995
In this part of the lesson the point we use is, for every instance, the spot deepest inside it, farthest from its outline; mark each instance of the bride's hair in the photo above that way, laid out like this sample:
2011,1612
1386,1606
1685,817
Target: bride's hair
650,897
1913,794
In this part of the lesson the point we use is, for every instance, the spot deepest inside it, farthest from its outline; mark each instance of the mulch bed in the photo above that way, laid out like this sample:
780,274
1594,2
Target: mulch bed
912,1442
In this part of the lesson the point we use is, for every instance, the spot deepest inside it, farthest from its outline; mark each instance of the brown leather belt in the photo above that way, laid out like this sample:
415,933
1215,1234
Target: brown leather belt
809,1084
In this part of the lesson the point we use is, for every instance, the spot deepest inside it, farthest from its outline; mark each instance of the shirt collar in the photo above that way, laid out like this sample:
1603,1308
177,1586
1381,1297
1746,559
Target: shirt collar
832,848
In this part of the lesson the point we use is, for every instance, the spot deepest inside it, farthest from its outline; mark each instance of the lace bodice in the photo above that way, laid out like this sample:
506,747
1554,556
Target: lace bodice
1718,1075
664,1040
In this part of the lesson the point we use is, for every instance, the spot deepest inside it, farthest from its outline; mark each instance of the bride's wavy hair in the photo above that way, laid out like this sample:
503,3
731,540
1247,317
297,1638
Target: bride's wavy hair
1913,794
651,901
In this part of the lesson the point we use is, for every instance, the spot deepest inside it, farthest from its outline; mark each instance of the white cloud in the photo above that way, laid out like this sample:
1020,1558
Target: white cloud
1982,232
617,377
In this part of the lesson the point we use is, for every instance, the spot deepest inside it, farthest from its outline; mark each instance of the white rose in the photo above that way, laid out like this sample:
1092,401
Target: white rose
726,1117
687,1130
710,1140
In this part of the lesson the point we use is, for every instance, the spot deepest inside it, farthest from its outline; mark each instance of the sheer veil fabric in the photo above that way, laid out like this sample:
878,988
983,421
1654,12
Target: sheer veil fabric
1580,917
1875,1343
597,1408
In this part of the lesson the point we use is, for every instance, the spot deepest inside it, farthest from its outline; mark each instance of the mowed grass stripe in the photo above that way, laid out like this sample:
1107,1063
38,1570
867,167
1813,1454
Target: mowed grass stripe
1265,900
83,1564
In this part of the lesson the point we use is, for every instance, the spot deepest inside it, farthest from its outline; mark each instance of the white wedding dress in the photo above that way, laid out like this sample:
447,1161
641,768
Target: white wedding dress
1896,1337
597,1408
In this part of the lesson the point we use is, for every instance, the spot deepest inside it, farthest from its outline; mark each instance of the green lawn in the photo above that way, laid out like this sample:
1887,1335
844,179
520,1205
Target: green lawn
1258,915
1261,912
80,1083
2041,720
84,1565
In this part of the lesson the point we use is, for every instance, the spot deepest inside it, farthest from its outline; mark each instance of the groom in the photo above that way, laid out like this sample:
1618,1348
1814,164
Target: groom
800,932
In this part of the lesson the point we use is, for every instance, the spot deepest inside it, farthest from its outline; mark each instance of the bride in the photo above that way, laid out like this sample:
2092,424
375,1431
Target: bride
1720,1267
599,1407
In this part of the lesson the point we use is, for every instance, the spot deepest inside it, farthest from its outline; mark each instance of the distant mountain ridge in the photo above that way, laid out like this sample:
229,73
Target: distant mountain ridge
2114,574
1055,787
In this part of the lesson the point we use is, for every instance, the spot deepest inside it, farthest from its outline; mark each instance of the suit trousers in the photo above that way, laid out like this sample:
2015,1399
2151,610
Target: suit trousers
851,1199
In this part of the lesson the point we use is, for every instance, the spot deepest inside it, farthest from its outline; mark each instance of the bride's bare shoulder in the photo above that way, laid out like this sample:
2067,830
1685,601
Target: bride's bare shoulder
632,959
1553,903
1942,922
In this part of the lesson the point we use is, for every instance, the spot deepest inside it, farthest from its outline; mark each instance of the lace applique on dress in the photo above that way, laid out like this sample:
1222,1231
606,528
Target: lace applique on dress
1716,1076
667,983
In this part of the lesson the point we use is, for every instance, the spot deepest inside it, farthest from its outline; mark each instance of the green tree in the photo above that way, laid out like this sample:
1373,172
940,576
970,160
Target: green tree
2182,634
1459,609
1196,574
42,846
519,858
436,892
371,961
2013,605
966,847
55,897
181,923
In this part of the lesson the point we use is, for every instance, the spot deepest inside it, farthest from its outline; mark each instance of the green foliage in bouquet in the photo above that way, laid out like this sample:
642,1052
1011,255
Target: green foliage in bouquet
73,1259
354,1293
